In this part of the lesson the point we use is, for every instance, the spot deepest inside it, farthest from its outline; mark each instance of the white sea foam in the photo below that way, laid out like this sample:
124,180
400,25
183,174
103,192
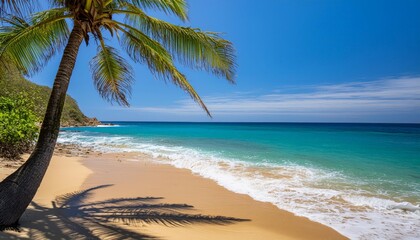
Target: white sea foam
107,125
326,197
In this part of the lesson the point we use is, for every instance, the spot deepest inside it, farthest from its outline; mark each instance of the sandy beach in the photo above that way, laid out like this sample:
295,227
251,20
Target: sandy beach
129,196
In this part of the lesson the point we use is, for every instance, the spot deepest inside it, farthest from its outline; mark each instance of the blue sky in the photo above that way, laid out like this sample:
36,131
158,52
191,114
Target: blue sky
298,61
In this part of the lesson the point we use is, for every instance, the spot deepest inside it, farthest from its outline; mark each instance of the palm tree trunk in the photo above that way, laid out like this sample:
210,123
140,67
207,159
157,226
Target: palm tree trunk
18,189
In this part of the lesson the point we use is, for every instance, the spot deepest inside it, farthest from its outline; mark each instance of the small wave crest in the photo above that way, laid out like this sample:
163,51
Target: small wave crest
108,125
406,207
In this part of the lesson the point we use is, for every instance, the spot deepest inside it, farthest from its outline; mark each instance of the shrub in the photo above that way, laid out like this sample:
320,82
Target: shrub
18,126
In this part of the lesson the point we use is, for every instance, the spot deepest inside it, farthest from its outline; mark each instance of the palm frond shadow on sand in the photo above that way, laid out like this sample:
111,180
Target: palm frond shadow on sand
75,218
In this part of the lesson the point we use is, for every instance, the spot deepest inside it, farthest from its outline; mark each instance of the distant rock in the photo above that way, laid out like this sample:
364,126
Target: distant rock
86,122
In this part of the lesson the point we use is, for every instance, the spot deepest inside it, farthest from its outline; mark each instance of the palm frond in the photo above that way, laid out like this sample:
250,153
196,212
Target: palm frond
177,7
122,201
30,44
193,47
140,217
143,49
112,75
141,205
77,197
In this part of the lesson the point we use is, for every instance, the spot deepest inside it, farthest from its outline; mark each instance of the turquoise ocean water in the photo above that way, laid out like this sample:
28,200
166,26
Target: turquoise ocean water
361,179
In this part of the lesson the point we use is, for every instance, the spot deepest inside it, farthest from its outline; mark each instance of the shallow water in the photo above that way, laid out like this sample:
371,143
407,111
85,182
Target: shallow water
361,179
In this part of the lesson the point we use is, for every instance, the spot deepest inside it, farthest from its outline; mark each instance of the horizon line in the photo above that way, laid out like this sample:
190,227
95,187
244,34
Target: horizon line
320,122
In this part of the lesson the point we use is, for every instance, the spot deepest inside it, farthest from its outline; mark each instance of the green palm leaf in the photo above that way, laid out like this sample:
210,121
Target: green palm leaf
197,49
143,49
112,75
29,45
177,7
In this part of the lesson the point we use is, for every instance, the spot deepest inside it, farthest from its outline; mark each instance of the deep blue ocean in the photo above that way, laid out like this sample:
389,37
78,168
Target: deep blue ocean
361,179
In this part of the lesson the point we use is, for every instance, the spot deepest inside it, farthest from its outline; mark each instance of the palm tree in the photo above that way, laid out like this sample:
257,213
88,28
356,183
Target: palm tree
29,42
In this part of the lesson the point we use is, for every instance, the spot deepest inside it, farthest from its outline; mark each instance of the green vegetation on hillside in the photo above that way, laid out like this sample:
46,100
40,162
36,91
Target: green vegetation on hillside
12,83
18,126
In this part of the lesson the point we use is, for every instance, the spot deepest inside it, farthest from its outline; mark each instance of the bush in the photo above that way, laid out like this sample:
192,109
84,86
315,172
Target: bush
18,126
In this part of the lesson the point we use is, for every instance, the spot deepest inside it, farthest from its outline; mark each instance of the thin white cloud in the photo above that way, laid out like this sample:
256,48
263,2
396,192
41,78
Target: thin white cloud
375,98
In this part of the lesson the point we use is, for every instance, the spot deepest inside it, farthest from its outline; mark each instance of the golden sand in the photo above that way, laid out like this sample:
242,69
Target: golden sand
128,199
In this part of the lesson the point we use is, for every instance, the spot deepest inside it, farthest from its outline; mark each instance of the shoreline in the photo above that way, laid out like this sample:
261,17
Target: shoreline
135,175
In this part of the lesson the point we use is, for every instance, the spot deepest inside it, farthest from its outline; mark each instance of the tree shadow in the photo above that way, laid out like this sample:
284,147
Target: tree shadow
73,217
